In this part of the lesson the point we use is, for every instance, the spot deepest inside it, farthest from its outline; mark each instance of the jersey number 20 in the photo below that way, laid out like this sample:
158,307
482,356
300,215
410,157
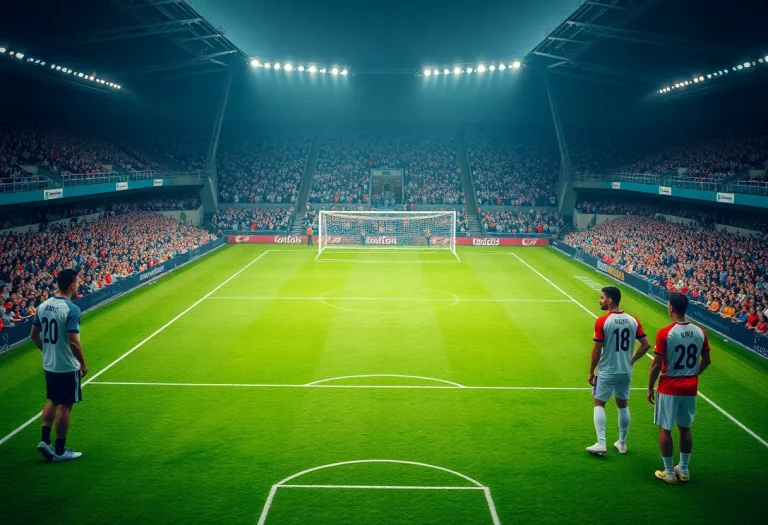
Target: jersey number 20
50,331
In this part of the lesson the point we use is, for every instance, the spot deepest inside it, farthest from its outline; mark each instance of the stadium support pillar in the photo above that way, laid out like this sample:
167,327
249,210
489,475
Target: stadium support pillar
566,193
210,193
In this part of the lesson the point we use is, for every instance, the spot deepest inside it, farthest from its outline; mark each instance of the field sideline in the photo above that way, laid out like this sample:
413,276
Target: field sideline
446,393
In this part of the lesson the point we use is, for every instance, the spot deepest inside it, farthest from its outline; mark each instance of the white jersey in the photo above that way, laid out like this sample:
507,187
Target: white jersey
618,332
57,317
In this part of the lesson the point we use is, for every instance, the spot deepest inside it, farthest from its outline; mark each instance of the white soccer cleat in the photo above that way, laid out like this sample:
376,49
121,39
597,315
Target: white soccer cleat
621,447
46,450
598,449
68,455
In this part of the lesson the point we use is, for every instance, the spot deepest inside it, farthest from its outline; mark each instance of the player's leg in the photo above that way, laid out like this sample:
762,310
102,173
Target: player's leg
49,414
685,415
664,416
68,393
621,393
601,393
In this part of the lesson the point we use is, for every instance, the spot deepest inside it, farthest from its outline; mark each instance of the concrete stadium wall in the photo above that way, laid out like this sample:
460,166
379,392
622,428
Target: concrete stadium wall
194,217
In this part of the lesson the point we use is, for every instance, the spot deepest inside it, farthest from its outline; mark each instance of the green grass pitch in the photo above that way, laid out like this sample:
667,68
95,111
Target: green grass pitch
296,363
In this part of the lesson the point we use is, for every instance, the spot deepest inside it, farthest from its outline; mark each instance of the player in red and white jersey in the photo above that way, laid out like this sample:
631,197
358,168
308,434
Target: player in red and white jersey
682,354
615,335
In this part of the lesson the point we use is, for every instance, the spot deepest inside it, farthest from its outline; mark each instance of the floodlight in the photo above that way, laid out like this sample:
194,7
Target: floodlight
301,68
42,63
516,64
436,72
726,71
747,64
335,71
255,63
469,70
37,60
58,68
312,69
760,60
323,70
696,80
268,65
709,76
739,67
481,68
701,79
80,75
446,71
502,67
344,72
53,66
119,87
288,67
766,58
3,50
456,70
277,65
19,55
492,68
427,72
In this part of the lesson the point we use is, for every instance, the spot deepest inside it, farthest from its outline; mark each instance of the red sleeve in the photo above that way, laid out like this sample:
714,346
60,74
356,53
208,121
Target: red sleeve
640,330
599,334
661,342
705,348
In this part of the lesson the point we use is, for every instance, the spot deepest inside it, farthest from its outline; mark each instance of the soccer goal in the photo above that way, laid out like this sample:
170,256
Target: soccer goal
387,230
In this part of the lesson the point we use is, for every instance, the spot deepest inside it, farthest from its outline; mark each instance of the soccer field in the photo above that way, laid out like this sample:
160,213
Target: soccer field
432,390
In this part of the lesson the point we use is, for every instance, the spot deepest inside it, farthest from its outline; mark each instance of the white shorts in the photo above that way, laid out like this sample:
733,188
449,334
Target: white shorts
674,410
607,385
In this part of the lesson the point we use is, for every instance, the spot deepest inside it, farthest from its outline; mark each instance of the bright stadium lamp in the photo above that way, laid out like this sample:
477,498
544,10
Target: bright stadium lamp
747,64
288,67
255,63
301,68
277,65
492,68
2,50
456,70
19,55
516,64
481,68
709,75
344,72
53,66
427,72
323,71
58,68
268,65
739,67
435,72
335,71
446,71
469,70
312,69
502,67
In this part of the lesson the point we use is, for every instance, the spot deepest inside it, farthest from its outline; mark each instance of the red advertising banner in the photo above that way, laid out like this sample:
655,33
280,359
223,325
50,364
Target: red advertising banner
462,241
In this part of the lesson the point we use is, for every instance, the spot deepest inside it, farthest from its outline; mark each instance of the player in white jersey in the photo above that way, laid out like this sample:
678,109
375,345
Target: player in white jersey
682,355
56,331
615,335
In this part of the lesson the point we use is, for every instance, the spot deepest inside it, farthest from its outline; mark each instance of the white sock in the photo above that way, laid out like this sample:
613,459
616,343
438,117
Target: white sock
599,418
684,459
623,424
669,465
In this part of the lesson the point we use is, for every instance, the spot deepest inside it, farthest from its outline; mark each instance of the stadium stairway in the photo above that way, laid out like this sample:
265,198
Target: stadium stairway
43,172
475,228
304,186
468,185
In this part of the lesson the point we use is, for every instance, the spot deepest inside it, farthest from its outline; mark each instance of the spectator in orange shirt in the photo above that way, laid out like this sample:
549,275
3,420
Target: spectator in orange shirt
728,312
714,307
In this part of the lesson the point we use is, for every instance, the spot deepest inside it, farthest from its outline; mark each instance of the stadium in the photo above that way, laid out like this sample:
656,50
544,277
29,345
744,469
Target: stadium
383,262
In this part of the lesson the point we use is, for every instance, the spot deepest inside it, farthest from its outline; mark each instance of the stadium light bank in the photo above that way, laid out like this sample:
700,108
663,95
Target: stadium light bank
57,68
301,67
698,79
468,69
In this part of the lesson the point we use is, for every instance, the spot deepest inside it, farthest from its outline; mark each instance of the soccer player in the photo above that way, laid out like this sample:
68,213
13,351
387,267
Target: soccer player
681,356
615,335
309,233
56,331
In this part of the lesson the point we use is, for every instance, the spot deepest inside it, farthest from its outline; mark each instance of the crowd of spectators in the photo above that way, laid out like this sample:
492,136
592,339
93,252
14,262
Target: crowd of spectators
104,251
531,222
430,169
267,170
253,219
64,152
723,271
510,172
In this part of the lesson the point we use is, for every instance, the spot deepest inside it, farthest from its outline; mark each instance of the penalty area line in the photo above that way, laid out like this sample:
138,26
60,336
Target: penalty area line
705,398
150,337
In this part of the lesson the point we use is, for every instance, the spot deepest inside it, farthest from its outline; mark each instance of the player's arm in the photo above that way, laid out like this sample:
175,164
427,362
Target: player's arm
597,348
660,354
644,344
73,337
706,360
37,327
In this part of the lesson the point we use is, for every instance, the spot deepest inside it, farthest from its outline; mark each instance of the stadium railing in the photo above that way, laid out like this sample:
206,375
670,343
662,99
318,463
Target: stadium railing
751,188
11,187
79,179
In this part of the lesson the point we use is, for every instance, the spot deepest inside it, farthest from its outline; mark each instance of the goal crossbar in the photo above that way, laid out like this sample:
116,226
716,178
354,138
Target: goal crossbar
387,230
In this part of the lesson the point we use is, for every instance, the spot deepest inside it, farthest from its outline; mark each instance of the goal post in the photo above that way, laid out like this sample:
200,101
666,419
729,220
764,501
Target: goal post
387,230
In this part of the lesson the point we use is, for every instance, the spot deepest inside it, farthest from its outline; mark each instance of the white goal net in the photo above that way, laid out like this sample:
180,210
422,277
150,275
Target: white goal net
387,230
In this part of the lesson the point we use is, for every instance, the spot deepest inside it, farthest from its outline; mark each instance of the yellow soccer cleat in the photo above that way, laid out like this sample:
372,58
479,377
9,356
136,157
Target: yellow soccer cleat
662,475
685,478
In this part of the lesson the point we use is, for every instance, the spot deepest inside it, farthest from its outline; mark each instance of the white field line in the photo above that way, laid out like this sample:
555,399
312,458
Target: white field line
377,487
384,261
413,299
705,398
444,381
151,336
324,385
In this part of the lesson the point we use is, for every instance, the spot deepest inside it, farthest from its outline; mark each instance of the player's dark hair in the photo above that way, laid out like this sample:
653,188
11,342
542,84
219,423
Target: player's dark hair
65,279
612,293
678,302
